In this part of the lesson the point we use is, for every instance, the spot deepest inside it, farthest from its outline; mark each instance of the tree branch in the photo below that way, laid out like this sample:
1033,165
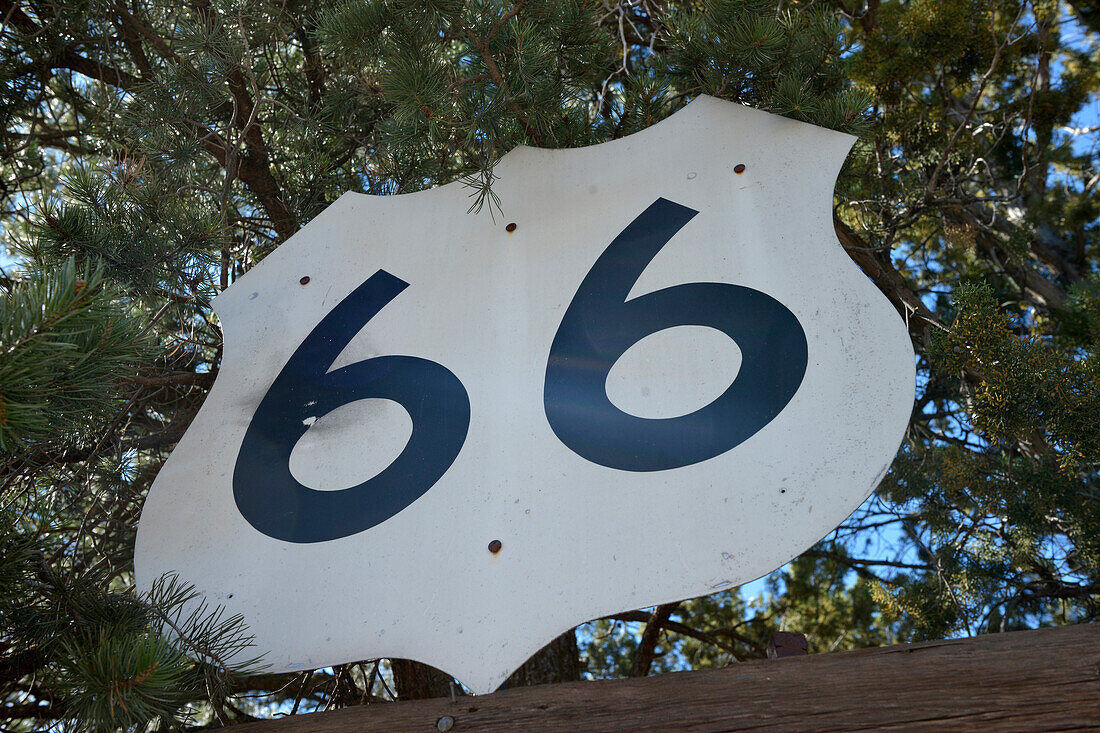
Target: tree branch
67,58
643,657
917,316
482,47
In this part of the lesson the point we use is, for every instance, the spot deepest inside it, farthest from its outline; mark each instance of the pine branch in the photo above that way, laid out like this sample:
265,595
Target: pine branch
131,21
65,339
486,54
67,58
890,282
643,657
184,378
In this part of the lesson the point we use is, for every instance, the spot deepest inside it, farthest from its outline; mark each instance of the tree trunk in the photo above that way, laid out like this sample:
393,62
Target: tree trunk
558,661
416,681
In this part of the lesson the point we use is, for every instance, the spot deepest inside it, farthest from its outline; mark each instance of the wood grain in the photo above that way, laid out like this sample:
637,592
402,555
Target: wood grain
1042,680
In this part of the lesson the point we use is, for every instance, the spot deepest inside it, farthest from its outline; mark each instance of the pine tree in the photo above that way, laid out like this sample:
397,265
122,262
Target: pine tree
153,152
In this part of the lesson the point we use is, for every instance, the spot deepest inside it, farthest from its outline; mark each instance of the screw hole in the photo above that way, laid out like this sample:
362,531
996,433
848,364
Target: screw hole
511,227
494,546
304,280
739,168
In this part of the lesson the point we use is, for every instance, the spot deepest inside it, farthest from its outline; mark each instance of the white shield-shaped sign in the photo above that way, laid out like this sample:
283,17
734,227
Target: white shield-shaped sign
446,438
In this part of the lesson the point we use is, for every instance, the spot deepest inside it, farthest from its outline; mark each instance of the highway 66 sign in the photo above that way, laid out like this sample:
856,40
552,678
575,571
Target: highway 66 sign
667,379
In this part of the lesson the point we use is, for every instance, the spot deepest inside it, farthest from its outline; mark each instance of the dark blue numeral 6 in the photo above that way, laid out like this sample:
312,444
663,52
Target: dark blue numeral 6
273,501
600,325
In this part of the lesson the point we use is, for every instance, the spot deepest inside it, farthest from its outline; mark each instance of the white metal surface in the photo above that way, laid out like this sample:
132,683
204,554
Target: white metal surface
578,539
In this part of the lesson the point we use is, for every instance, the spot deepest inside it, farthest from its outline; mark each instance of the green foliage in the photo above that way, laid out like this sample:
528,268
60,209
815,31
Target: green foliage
979,186
1024,385
1033,397
953,33
1039,524
67,338
815,595
113,661
463,85
789,62
122,682
145,241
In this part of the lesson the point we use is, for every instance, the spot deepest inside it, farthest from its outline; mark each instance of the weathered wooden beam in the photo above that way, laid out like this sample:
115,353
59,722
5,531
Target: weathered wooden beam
1047,679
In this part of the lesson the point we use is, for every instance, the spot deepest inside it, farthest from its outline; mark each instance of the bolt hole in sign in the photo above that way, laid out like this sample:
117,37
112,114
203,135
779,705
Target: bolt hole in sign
666,379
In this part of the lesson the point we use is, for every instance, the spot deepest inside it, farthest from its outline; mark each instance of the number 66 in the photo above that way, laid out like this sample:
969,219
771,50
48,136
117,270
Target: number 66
597,328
